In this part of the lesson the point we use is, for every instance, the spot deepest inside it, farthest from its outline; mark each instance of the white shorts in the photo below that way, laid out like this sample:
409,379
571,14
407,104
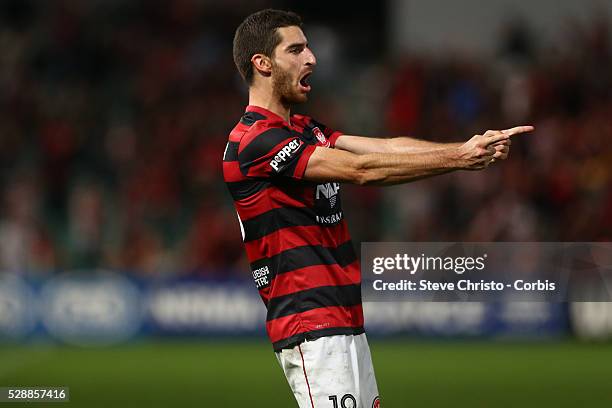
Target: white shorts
331,372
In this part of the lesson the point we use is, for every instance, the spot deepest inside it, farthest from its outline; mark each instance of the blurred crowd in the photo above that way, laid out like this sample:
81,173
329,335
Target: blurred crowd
114,120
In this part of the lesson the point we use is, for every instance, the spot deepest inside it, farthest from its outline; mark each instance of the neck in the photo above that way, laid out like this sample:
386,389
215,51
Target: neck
266,99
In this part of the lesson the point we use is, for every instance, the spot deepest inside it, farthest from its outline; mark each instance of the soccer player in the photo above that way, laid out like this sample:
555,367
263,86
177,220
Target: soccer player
284,173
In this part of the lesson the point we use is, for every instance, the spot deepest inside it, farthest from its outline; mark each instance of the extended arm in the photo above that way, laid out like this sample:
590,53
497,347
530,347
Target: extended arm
378,168
384,168
365,145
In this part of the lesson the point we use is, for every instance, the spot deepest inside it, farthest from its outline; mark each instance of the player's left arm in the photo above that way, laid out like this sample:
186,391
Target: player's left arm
398,145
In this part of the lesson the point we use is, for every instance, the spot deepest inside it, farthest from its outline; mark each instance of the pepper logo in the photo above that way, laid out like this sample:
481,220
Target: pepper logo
285,153
376,403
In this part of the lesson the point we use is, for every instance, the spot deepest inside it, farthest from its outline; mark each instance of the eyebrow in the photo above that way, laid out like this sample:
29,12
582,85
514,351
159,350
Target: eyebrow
295,45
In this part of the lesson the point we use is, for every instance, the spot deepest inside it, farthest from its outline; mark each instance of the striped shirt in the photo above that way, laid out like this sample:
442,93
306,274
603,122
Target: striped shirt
297,242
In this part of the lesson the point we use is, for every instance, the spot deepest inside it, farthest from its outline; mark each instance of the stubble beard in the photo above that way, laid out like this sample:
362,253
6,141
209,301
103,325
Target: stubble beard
282,86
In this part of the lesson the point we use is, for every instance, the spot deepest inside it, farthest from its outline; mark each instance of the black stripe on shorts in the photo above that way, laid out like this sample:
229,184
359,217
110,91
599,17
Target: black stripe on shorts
293,341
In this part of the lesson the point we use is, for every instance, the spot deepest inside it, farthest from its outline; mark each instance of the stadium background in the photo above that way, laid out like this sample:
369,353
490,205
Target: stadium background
123,275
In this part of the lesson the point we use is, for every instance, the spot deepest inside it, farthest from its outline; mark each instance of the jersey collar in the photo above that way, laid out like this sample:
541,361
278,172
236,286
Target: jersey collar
263,111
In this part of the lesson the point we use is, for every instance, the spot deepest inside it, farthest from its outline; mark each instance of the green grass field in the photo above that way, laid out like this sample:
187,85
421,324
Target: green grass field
246,374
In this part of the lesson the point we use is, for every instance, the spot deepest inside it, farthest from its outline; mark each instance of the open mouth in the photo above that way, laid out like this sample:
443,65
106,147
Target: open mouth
305,83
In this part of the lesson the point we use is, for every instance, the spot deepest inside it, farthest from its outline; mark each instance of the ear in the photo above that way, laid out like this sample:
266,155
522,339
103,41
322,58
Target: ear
262,64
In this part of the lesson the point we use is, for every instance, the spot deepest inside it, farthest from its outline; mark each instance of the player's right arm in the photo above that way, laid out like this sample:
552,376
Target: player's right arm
394,168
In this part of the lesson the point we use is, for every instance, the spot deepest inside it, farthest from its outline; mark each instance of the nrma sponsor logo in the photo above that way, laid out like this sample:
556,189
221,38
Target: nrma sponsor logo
326,196
329,191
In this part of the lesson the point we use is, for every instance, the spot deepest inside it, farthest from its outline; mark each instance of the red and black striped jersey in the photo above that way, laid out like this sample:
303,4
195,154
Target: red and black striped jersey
297,242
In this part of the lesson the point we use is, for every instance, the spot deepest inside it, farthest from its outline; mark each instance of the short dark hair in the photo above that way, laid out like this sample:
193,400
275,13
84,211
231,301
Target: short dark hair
257,35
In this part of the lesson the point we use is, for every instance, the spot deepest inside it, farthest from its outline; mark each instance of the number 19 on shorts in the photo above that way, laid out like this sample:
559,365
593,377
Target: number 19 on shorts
347,401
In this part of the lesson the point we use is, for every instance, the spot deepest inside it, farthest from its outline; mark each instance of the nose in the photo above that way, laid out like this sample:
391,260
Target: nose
311,60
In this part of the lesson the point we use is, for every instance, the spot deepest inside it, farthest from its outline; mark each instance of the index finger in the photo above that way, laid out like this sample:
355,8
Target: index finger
518,129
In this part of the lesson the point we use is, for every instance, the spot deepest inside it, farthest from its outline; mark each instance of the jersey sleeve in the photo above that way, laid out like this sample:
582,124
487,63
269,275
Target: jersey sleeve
273,152
331,134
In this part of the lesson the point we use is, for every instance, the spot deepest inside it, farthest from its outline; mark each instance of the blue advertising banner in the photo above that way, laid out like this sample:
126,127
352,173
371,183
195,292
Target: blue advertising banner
107,308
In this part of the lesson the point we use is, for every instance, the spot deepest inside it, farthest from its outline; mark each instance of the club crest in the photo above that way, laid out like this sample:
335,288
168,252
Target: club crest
320,136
